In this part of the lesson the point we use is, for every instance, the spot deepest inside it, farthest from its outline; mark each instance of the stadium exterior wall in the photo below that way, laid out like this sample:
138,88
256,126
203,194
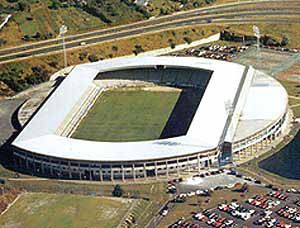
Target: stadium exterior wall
154,169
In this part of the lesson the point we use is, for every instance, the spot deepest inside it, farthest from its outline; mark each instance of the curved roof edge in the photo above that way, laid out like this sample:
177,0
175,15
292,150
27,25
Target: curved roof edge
204,133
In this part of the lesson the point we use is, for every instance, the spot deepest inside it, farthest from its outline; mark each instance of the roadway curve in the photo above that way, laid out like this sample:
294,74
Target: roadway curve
214,15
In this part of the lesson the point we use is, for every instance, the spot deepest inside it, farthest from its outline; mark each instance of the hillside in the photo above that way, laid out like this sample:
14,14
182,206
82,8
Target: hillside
35,20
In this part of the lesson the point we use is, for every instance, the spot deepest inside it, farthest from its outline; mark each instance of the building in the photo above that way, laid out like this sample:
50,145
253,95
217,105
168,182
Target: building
237,114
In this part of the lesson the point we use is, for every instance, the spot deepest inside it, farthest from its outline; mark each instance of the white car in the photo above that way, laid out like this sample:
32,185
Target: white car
191,194
199,192
251,212
268,213
222,206
234,205
199,216
245,216
229,222
164,212
182,195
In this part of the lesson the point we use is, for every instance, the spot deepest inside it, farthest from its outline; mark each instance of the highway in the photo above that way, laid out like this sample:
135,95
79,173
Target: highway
280,12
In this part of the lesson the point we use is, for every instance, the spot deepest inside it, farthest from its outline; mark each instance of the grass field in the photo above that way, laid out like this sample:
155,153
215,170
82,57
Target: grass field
63,210
128,115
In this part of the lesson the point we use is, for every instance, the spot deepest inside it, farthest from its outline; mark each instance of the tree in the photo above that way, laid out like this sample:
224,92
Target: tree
138,49
83,55
115,48
284,41
2,41
93,58
39,75
118,191
187,39
172,44
23,6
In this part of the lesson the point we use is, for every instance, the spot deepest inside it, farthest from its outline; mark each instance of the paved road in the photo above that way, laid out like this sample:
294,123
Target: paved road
7,109
138,31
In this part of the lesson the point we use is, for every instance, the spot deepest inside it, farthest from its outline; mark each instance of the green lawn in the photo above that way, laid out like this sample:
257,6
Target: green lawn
127,115
63,210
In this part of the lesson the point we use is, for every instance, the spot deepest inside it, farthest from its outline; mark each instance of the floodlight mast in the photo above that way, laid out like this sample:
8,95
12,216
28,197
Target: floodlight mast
62,30
257,35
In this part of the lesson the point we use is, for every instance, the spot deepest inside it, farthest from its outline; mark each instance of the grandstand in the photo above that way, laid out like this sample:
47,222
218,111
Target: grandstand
235,114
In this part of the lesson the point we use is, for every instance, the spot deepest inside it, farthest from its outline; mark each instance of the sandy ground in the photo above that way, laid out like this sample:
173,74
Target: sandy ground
160,88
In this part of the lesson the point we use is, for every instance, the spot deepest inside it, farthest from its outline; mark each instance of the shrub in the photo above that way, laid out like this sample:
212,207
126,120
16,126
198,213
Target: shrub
188,39
172,44
83,55
93,58
118,191
137,49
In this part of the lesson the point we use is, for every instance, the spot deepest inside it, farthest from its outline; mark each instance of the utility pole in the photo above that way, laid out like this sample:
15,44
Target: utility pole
62,31
257,34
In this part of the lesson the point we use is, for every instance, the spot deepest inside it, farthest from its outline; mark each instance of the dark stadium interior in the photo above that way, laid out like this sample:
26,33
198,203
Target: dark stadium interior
173,76
192,81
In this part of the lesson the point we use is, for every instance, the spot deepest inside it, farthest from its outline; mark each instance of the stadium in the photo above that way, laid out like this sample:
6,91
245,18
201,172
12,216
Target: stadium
238,111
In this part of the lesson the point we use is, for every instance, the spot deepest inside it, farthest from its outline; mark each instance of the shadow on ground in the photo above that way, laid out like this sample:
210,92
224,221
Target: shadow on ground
285,163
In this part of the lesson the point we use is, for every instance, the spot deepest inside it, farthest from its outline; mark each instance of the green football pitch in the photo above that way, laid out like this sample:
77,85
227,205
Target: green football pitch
65,210
128,115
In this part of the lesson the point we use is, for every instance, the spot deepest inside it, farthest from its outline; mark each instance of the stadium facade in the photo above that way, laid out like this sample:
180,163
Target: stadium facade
241,110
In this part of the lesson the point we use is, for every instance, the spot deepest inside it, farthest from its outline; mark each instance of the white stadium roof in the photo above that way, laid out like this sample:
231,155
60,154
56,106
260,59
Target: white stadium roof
40,134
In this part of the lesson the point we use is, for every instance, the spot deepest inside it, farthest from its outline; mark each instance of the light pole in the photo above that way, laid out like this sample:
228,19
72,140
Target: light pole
257,34
62,30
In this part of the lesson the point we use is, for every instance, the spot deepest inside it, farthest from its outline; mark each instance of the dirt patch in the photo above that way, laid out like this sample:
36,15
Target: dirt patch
160,89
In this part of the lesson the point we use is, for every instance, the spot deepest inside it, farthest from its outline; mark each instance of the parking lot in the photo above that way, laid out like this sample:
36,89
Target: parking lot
226,198
274,209
216,51
258,211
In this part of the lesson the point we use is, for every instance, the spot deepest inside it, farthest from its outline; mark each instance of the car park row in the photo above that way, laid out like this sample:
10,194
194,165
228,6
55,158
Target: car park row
278,208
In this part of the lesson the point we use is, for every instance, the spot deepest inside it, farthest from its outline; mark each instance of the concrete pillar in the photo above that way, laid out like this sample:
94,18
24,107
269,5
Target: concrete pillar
123,173
133,171
167,169
33,162
145,171
101,173
51,167
199,164
42,166
178,168
90,172
60,168
188,165
26,161
111,173
252,150
79,171
69,170
156,170
239,155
